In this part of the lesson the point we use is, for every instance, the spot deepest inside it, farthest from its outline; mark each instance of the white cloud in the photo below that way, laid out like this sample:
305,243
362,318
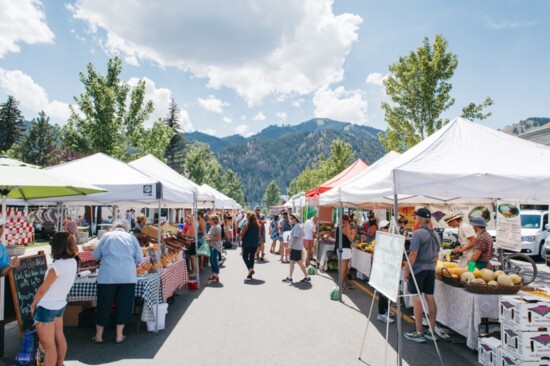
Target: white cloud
259,117
298,102
209,131
341,105
212,104
282,116
22,21
508,24
227,120
376,78
32,97
243,130
161,98
256,48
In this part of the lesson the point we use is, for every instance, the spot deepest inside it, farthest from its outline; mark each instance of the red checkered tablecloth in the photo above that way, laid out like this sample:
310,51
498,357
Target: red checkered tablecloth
173,278
86,255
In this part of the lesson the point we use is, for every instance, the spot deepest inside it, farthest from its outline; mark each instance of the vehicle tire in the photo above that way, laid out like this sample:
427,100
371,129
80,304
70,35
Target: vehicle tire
541,251
522,265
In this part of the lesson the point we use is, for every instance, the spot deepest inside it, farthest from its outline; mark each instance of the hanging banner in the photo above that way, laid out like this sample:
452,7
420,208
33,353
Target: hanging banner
468,211
508,231
386,264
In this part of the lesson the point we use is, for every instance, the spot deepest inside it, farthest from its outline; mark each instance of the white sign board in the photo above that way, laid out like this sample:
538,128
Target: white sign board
508,226
386,264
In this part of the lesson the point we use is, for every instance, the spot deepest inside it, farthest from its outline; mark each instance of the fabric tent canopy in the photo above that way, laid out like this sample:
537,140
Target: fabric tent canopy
298,200
153,167
462,162
220,199
351,171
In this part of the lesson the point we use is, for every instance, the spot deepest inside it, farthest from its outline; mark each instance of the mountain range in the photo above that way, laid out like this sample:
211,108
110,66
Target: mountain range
281,153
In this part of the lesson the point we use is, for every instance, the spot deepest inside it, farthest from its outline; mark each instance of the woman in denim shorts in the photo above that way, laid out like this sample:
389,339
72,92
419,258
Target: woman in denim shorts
49,302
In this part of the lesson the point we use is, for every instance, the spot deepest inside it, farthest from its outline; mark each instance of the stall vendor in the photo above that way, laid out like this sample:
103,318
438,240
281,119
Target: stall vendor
483,248
5,264
466,237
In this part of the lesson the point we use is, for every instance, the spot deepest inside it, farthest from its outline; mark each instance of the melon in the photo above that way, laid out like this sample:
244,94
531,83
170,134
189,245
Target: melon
478,281
310,270
498,273
492,283
477,273
487,275
516,279
335,293
458,271
450,264
467,277
505,280
438,269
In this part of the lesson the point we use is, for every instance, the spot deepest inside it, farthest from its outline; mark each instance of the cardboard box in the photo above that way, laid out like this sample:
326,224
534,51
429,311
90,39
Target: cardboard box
507,359
526,346
526,313
73,309
489,351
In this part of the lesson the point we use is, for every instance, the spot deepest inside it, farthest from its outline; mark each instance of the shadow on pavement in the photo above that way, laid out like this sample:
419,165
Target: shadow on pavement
254,282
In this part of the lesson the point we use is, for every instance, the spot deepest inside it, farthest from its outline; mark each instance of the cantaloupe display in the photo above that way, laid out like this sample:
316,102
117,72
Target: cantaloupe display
490,278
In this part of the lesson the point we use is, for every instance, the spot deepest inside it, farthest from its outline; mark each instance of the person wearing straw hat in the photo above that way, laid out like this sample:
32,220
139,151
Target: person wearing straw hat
6,265
466,237
483,249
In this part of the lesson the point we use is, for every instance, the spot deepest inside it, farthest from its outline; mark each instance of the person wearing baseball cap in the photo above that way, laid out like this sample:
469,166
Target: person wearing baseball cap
483,247
6,265
466,237
424,249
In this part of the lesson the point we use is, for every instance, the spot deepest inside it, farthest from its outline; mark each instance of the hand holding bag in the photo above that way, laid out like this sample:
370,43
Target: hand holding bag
204,249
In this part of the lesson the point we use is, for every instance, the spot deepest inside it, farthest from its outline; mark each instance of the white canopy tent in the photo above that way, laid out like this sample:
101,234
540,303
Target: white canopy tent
298,200
220,199
462,162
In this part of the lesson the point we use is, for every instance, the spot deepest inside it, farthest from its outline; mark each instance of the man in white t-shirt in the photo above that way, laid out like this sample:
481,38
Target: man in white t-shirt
310,229
466,237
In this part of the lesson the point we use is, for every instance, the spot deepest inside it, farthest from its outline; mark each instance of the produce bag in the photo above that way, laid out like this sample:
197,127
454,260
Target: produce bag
204,250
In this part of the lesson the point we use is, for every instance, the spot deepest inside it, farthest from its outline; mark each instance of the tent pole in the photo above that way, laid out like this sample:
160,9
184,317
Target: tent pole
196,233
159,256
2,282
340,279
398,304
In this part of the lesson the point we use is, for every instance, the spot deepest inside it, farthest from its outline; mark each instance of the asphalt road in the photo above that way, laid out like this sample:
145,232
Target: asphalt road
259,322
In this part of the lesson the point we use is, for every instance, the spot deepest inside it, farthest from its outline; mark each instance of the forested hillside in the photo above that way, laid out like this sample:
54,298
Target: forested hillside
281,153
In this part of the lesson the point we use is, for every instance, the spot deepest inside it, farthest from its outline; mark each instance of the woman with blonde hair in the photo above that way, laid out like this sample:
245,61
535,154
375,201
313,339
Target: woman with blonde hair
214,239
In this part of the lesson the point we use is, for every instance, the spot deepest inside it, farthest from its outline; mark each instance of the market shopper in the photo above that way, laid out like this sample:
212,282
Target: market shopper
296,247
274,233
119,252
203,261
370,233
466,237
214,239
347,238
284,232
6,265
425,244
383,301
251,240
261,220
310,229
141,221
50,300
189,234
483,248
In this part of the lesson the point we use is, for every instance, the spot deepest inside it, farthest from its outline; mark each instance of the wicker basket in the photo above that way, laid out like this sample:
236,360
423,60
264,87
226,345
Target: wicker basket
448,279
492,290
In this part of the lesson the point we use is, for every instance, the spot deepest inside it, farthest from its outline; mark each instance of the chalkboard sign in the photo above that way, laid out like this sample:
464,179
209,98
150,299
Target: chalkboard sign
386,264
25,281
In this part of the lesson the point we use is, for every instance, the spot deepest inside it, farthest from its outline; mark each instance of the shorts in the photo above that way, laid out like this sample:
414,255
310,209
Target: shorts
295,255
43,315
192,249
425,280
346,253
308,243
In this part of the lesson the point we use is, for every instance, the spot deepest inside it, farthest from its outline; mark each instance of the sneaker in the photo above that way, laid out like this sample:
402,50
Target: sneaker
306,279
345,290
287,279
384,318
415,336
428,335
351,286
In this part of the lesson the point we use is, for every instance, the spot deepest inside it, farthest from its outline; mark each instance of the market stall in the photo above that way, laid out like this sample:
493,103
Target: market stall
361,260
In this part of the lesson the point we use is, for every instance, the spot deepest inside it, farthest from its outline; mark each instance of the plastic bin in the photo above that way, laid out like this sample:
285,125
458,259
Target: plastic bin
192,285
159,324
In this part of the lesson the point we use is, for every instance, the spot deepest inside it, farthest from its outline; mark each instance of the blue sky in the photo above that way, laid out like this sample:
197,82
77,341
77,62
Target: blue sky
238,66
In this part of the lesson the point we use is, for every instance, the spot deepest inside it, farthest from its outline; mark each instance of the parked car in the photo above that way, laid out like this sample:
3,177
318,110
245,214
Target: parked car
534,233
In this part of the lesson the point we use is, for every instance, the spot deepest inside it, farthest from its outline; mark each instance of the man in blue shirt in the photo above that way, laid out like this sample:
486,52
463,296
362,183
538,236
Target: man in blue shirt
5,264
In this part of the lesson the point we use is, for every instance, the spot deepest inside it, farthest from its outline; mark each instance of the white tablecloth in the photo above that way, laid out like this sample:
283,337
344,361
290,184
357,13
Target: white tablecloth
361,261
322,248
462,311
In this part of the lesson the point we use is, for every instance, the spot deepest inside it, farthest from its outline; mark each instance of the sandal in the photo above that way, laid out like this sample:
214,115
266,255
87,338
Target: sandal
97,340
118,341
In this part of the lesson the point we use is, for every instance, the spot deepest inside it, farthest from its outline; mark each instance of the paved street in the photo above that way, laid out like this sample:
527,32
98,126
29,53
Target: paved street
263,321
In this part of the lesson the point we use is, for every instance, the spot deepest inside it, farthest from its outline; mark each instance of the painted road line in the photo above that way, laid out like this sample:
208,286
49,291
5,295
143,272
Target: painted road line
407,318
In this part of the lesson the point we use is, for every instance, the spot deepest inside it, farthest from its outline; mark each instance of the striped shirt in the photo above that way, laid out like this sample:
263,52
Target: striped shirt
484,243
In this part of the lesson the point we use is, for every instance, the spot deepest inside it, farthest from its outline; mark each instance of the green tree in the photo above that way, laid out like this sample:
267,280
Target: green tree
473,111
175,151
232,187
419,91
11,123
110,116
154,140
38,145
272,195
202,165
